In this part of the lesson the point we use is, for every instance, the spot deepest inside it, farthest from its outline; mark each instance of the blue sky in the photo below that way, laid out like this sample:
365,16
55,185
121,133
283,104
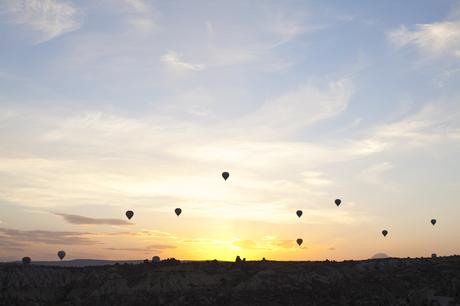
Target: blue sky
128,104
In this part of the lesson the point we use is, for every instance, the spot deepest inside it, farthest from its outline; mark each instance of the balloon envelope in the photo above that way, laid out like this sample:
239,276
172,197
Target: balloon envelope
61,254
178,211
26,260
299,241
225,175
299,213
384,233
337,202
433,221
129,214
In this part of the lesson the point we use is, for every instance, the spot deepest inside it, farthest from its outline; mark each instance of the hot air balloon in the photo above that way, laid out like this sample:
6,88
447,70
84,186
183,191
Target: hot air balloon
299,241
433,221
26,260
61,254
337,202
129,214
299,213
178,211
225,175
384,233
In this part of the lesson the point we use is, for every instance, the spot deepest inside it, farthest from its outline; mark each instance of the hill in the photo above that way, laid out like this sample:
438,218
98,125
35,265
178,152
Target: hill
84,262
390,281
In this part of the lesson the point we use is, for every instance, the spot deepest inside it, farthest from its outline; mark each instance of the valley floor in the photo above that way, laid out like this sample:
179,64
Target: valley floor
425,281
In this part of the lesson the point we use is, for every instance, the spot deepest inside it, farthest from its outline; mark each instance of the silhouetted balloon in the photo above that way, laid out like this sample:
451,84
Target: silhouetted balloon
433,221
337,202
155,259
225,175
129,214
299,241
299,213
384,233
61,254
178,211
26,260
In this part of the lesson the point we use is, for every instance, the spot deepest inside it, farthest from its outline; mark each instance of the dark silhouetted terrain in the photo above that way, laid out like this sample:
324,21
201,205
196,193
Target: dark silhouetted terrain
428,281
84,262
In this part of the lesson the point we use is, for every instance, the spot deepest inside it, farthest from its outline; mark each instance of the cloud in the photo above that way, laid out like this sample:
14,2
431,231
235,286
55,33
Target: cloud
46,19
313,178
173,60
434,39
149,248
139,5
374,174
139,16
302,107
47,237
10,244
287,26
434,122
266,243
81,220
285,244
146,233
141,24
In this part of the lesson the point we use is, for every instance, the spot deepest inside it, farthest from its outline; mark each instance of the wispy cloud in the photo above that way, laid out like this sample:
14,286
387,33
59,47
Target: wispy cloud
285,244
173,60
47,237
314,178
140,16
149,248
142,24
47,19
374,174
287,26
266,243
302,107
139,5
434,122
433,39
9,243
146,233
81,220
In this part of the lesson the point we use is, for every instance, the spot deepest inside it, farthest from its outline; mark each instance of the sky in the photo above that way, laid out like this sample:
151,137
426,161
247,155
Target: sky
115,105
